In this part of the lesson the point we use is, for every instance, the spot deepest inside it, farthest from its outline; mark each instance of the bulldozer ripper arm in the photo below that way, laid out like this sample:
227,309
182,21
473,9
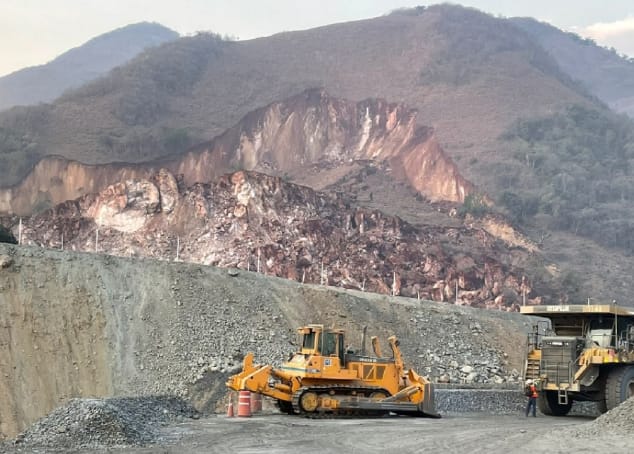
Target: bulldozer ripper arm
258,379
398,358
376,347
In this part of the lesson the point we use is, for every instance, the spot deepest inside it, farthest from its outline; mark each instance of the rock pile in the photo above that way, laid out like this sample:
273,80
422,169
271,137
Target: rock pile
459,350
619,420
99,423
498,402
488,400
457,345
253,221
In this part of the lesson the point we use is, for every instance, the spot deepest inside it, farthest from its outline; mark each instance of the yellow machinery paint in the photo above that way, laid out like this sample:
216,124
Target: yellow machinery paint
586,354
322,377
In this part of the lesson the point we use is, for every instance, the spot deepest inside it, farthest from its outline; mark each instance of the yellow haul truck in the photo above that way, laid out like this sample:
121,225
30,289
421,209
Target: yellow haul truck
587,354
325,379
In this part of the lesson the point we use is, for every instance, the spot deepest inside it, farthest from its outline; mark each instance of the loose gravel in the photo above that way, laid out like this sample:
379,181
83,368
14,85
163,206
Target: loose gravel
497,402
494,402
100,423
619,420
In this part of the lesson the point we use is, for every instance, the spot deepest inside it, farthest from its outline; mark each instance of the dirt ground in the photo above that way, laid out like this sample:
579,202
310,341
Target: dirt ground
474,433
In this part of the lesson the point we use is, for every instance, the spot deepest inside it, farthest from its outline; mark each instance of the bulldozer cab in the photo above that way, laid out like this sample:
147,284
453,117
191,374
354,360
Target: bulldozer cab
316,340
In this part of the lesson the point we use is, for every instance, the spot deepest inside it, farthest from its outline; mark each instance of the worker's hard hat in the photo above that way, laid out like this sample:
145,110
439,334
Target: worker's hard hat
529,382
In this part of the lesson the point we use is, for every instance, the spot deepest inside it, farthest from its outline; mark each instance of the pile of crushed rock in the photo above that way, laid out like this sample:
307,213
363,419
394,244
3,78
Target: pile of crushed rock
619,421
100,423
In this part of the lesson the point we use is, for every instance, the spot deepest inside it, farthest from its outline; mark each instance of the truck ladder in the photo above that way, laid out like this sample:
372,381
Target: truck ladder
562,396
532,368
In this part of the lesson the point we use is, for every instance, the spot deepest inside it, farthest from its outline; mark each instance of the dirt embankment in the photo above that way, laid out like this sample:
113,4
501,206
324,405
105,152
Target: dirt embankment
87,325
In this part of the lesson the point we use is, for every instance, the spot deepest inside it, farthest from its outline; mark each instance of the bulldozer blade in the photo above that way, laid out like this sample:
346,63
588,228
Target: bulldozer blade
428,405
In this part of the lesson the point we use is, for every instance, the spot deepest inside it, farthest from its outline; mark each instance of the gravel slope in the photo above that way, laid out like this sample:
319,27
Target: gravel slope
86,325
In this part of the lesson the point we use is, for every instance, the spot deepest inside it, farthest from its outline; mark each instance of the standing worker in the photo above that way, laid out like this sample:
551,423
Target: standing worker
531,393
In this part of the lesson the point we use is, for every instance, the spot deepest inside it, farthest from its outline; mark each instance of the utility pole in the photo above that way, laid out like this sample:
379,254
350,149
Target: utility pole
96,240
178,246
258,260
321,275
393,283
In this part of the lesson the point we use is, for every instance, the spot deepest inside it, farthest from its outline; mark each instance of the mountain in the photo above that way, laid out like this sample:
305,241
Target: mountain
529,141
77,66
469,75
606,74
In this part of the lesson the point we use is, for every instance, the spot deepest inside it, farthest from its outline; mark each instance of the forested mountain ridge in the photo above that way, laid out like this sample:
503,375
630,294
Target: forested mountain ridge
468,74
602,71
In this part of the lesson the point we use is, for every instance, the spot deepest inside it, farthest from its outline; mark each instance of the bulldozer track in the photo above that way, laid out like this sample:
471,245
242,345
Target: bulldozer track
337,414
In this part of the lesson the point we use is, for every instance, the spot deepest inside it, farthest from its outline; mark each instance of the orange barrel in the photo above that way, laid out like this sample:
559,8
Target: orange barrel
256,402
244,403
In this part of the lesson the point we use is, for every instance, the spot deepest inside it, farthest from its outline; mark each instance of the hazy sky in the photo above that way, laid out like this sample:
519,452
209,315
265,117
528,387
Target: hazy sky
36,31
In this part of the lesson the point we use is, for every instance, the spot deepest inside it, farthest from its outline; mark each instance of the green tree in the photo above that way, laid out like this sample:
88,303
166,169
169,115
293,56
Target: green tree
176,140
474,205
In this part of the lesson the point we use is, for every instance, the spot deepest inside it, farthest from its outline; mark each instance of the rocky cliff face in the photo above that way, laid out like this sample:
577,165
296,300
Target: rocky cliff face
258,222
310,130
55,179
314,128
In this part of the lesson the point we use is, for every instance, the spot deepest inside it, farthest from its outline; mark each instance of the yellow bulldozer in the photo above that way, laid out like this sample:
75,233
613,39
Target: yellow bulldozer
324,378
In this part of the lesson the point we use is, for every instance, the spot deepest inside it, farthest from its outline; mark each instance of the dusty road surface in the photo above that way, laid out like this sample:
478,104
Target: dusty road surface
452,434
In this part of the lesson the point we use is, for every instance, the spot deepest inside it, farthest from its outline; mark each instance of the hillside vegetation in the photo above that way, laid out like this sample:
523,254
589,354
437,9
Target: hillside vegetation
469,74
573,171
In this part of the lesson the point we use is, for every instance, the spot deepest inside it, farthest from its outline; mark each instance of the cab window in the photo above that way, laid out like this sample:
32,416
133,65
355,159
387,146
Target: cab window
330,344
309,341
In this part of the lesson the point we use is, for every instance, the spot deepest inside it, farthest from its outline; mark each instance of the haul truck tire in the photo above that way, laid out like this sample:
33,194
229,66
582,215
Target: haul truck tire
548,404
600,404
619,386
